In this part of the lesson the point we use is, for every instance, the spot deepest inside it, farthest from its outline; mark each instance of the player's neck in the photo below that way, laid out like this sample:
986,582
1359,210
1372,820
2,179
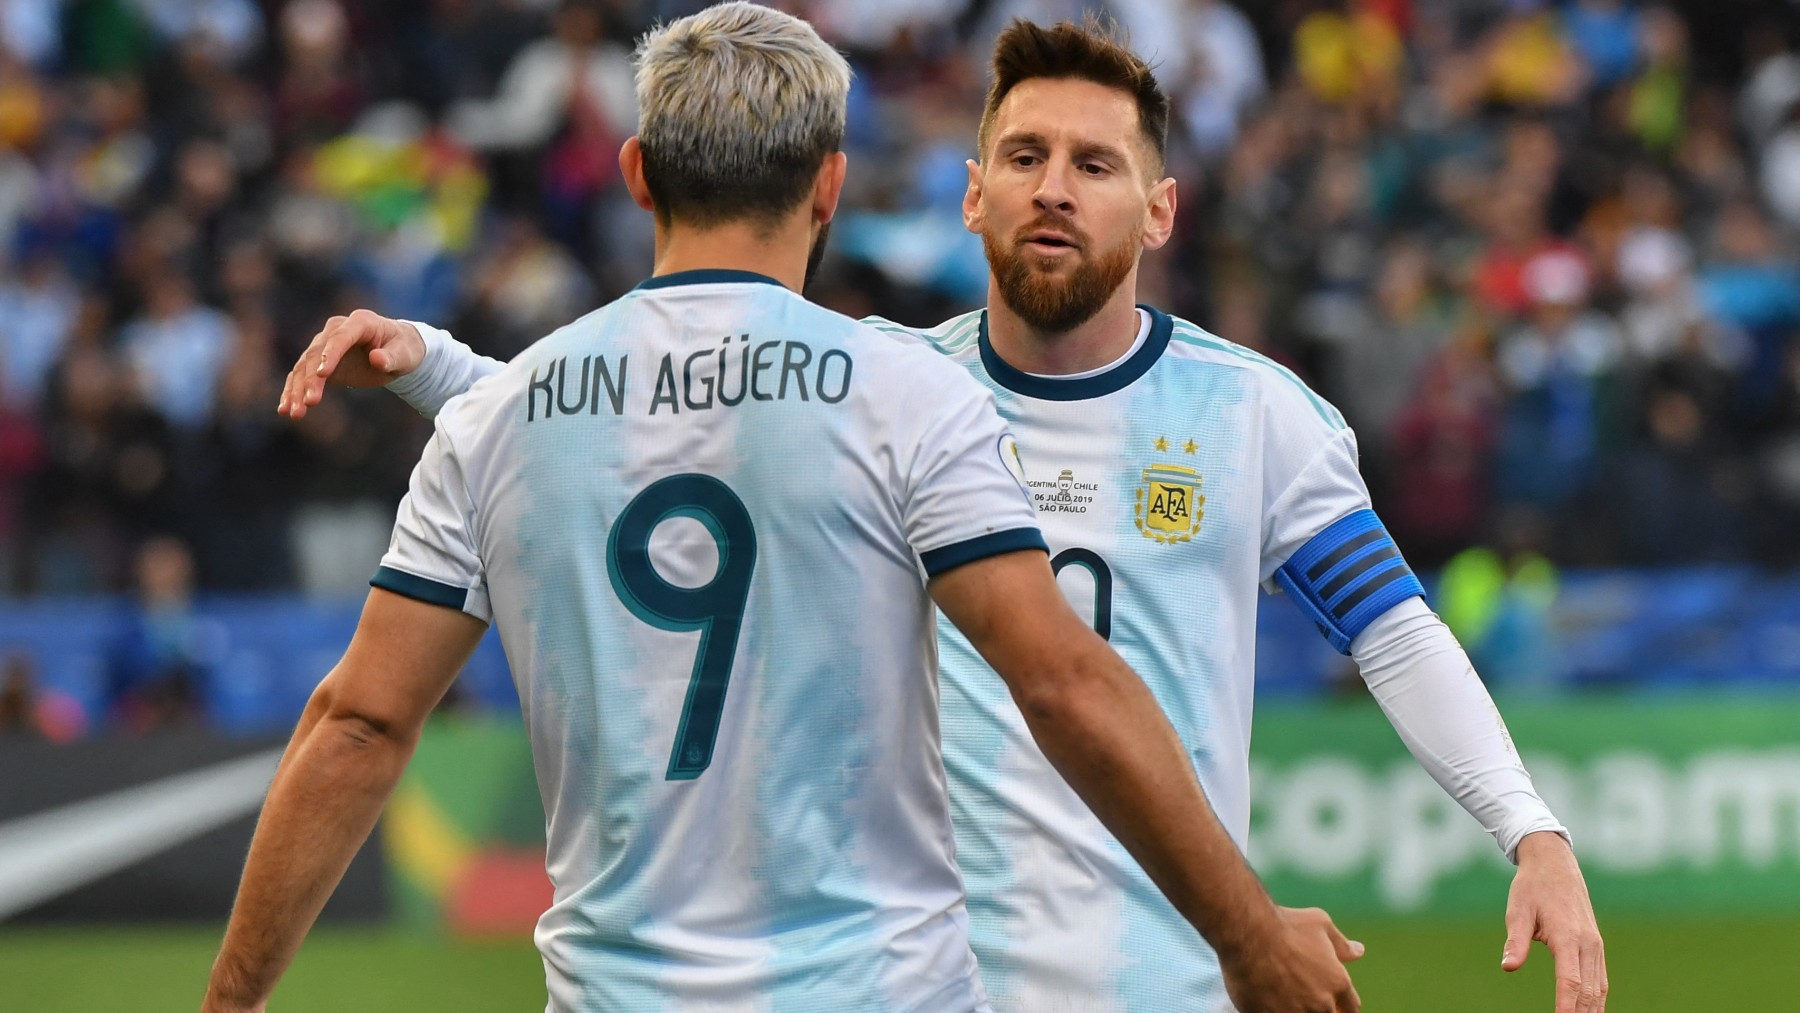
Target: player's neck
737,246
1101,339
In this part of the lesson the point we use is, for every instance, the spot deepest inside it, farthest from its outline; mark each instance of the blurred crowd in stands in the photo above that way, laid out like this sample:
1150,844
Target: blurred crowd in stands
1541,254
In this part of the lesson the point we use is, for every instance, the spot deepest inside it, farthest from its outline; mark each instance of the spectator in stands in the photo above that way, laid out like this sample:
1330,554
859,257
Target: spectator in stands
1771,81
1561,372
245,473
1499,603
566,101
1662,317
1515,220
29,30
21,455
167,655
1212,67
321,89
1605,33
1659,92
1752,286
1777,453
1440,482
525,287
454,160
108,470
176,350
38,304
1781,170
1681,487
1386,344
28,710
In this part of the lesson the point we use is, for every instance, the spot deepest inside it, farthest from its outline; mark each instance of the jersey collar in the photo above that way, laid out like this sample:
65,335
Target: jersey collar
1051,388
708,276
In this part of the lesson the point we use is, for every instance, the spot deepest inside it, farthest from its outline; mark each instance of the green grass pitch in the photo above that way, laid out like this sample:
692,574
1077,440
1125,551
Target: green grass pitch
1413,966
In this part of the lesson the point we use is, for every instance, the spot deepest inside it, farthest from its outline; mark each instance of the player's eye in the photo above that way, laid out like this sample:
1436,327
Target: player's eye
1093,168
1025,161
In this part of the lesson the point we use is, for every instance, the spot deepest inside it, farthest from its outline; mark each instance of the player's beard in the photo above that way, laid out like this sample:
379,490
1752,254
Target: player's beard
815,255
1056,304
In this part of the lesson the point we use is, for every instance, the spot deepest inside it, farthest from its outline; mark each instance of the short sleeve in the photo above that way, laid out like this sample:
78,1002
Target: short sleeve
1310,476
1322,544
965,496
433,554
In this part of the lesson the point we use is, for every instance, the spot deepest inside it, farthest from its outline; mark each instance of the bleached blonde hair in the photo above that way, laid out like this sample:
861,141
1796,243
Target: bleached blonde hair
738,105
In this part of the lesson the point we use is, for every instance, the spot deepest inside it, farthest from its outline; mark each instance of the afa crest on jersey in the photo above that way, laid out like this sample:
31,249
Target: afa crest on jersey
1169,504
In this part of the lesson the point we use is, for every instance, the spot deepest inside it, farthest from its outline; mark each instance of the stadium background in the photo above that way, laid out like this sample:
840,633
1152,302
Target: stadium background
1541,254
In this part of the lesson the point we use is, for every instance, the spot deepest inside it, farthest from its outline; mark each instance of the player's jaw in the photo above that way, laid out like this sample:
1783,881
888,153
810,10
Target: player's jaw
1051,274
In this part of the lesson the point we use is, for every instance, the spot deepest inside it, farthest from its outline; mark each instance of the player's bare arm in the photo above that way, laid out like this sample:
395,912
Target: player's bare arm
1100,726
363,349
353,740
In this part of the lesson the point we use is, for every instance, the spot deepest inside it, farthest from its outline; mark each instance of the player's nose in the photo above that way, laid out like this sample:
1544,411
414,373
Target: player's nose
1053,191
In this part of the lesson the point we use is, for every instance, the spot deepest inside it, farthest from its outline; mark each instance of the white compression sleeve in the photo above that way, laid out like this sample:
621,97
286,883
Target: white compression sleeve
449,368
1425,684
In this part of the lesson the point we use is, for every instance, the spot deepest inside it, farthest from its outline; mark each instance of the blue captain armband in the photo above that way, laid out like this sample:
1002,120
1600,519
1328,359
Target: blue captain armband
1347,576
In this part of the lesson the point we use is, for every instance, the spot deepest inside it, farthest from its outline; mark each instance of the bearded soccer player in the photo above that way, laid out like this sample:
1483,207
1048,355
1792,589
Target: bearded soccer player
1188,472
719,616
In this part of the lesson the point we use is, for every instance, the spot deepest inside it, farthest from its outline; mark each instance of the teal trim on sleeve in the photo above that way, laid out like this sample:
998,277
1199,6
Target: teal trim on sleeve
980,547
419,588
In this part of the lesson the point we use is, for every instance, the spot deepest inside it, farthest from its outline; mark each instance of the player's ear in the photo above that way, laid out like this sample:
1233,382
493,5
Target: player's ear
828,186
1161,214
971,208
631,167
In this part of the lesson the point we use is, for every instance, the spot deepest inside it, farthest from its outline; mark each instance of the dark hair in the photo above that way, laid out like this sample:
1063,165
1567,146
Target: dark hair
1091,51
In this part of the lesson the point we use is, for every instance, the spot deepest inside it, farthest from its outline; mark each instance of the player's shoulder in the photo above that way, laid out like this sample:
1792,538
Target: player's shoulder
929,355
960,333
498,392
1278,385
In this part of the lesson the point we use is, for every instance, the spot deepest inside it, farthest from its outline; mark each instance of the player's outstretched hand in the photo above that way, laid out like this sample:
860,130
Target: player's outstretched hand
364,349
1549,902
1300,970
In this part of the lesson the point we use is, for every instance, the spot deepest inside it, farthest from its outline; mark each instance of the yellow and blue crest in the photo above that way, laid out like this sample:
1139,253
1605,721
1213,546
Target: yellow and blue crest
1169,504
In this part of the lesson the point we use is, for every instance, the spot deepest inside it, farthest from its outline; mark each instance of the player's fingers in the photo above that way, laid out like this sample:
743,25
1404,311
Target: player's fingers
1568,977
1518,940
357,329
1346,949
1587,969
1600,968
1348,1001
292,405
1593,973
294,392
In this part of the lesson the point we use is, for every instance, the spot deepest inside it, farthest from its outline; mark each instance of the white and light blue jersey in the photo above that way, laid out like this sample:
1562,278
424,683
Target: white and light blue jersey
1169,486
701,518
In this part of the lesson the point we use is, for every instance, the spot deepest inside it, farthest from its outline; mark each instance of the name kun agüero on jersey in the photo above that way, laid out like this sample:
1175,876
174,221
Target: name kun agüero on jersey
724,376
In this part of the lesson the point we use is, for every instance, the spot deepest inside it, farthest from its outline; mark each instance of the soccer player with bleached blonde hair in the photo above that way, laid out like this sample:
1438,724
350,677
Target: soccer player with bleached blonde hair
710,521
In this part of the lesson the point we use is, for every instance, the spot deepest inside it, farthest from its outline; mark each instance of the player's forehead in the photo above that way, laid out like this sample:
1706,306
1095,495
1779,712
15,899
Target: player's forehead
1071,112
